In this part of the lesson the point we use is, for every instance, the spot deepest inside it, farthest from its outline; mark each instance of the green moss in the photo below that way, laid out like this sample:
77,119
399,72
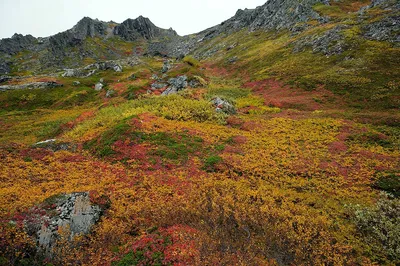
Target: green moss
211,162
389,182
132,258
370,139
103,146
230,94
175,148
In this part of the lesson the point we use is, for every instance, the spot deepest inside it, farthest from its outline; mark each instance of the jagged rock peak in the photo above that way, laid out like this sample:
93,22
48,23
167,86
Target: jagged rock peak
273,15
88,27
132,29
280,14
16,43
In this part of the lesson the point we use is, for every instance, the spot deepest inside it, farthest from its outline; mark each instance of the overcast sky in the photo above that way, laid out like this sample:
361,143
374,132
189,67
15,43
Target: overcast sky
43,18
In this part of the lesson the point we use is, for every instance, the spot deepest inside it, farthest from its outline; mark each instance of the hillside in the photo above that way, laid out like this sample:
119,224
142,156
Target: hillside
272,138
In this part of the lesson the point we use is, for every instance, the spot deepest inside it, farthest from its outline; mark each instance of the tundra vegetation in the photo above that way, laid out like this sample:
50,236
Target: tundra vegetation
305,171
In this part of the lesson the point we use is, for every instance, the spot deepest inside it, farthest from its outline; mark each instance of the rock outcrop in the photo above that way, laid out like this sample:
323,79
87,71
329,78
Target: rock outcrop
175,85
273,15
387,29
54,145
223,106
330,42
16,44
133,29
85,28
75,213
32,85
4,68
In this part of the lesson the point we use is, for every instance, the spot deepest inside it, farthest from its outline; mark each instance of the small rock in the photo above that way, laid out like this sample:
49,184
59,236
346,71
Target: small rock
91,73
179,83
110,93
157,85
170,91
231,46
132,77
102,80
223,106
117,68
233,59
197,81
167,66
76,83
73,73
99,86
4,79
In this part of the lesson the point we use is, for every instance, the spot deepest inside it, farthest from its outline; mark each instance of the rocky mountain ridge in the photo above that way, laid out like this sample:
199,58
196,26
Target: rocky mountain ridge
93,40
274,15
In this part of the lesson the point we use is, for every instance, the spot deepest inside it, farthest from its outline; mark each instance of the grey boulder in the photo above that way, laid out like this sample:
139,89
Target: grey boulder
223,106
99,86
32,85
75,213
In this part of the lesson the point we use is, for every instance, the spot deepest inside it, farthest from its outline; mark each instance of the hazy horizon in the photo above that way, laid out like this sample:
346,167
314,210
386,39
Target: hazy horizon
43,18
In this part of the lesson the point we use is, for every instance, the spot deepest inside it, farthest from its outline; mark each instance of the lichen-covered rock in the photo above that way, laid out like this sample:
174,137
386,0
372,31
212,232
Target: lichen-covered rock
158,85
113,65
110,93
166,66
223,106
386,29
155,77
175,85
180,82
170,91
75,213
385,3
99,86
32,85
54,145
74,73
330,42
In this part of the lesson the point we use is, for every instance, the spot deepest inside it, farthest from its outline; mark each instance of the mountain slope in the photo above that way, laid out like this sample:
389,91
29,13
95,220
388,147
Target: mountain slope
270,139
